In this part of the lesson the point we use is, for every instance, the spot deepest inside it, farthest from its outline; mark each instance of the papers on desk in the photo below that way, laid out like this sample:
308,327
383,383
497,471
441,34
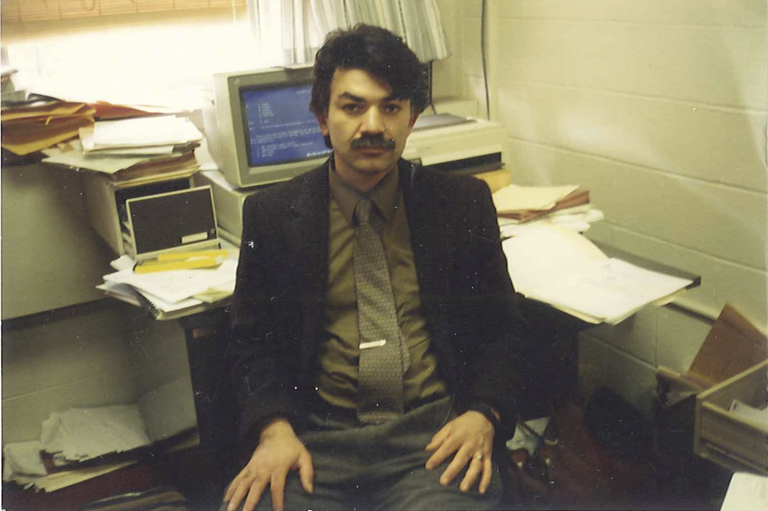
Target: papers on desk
140,149
516,198
566,270
33,125
141,132
171,294
578,219
173,286
520,207
524,203
73,444
106,110
36,126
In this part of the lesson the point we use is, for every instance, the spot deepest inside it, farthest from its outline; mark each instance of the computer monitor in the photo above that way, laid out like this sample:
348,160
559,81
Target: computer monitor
260,129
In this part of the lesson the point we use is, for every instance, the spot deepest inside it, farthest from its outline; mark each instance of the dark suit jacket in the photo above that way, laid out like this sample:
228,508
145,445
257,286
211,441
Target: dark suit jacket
467,297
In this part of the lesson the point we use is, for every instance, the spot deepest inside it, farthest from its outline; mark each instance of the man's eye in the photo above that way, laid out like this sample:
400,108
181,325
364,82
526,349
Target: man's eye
391,109
350,107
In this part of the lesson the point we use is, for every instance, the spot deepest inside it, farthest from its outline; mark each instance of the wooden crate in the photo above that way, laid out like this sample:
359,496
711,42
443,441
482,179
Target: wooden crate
728,439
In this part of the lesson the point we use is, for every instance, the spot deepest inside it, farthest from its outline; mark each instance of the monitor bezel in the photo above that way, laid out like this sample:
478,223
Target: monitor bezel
239,171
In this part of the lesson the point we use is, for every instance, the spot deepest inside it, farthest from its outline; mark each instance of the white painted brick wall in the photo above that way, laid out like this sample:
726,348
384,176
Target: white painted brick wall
658,107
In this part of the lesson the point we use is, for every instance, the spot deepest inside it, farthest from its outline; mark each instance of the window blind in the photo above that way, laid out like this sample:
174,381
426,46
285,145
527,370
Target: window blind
305,23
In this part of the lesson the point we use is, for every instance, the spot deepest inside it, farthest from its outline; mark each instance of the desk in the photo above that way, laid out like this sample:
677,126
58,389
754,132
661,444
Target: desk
206,335
556,355
557,359
650,265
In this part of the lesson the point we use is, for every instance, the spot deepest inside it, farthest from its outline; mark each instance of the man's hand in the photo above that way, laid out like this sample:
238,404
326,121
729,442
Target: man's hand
279,451
470,436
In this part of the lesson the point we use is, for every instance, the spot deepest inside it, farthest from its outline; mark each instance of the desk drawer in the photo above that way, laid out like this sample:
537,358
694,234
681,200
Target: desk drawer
726,438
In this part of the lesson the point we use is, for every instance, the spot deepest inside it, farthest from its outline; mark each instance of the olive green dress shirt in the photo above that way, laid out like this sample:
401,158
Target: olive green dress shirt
339,352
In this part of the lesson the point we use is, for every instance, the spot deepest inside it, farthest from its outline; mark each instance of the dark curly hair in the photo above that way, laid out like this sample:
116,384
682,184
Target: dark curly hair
377,51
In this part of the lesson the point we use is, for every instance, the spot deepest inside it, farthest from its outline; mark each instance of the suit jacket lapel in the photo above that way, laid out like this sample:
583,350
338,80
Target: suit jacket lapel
431,238
307,239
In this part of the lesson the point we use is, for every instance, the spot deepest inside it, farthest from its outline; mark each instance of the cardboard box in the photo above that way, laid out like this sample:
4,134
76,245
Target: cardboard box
733,347
727,438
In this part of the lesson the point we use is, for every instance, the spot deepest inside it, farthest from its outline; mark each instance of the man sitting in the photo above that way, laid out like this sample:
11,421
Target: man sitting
374,348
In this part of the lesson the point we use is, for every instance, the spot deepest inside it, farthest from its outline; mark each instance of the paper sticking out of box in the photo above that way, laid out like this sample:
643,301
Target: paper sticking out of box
753,414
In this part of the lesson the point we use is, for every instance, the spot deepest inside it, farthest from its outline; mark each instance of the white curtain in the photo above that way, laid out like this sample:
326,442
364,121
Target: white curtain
291,31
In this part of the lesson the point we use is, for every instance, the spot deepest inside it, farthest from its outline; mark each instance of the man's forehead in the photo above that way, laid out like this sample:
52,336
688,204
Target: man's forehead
362,99
360,85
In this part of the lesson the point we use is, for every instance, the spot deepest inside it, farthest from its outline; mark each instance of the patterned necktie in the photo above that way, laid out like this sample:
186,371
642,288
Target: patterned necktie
384,358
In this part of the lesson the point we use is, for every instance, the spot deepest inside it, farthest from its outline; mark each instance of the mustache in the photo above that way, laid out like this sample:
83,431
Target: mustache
373,142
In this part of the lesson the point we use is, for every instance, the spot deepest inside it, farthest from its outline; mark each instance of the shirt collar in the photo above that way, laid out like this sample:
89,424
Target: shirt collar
385,195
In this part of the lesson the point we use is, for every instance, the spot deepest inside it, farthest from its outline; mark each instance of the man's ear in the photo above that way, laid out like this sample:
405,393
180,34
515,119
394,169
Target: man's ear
322,120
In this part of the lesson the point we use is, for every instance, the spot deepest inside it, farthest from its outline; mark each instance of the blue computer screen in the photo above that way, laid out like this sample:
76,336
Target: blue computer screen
280,126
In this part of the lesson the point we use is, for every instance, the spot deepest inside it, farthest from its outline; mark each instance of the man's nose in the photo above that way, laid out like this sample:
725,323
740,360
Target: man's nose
372,122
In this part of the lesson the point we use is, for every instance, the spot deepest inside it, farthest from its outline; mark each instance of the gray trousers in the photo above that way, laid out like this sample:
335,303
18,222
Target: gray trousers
380,467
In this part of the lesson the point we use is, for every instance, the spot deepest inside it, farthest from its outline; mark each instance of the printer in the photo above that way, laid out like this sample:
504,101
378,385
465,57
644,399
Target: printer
453,144
457,144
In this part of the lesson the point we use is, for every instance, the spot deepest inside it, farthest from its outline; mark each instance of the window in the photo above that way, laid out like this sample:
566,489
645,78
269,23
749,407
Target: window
132,51
25,11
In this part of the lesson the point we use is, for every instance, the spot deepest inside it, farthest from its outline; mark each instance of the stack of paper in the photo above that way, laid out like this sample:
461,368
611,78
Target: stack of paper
82,443
38,125
516,200
519,206
107,111
174,293
140,133
135,149
564,269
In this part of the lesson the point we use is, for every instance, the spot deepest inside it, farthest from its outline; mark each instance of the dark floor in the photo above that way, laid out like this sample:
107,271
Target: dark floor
583,472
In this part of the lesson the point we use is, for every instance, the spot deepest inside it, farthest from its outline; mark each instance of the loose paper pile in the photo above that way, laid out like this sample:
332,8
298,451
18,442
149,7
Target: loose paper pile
172,293
520,207
35,126
135,149
73,442
517,201
41,122
564,269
